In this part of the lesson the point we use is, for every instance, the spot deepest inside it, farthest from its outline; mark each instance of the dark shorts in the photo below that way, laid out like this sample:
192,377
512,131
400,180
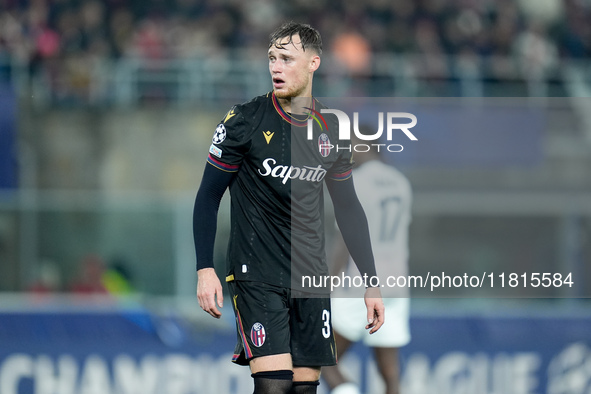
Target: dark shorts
270,321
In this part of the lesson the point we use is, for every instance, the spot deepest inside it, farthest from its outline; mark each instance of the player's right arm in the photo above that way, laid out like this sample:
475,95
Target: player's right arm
212,188
225,156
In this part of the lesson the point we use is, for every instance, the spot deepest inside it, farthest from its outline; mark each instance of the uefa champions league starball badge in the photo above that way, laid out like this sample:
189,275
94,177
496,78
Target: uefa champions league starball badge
220,134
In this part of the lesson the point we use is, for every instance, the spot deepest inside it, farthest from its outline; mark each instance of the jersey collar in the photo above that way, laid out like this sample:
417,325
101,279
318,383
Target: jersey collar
288,117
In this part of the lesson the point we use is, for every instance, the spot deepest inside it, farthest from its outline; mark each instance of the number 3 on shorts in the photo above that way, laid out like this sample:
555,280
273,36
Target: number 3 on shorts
326,320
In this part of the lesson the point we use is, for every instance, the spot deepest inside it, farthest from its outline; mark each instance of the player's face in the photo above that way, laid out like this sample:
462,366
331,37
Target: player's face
292,68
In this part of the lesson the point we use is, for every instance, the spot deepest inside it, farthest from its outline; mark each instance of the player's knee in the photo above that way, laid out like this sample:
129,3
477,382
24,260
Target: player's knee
273,382
305,387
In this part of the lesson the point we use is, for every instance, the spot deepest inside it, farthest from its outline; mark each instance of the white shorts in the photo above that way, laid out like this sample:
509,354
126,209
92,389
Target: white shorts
349,318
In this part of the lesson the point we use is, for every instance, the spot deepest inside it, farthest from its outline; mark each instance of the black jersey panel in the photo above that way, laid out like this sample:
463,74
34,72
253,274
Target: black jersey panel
277,210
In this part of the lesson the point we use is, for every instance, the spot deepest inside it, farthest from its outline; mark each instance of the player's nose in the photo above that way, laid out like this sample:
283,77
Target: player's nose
275,67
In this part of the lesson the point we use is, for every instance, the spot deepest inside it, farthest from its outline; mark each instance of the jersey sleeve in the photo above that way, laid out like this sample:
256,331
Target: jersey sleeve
229,142
353,224
342,168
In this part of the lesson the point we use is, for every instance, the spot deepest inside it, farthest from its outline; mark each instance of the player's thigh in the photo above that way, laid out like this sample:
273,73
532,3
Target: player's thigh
262,319
306,374
312,339
275,362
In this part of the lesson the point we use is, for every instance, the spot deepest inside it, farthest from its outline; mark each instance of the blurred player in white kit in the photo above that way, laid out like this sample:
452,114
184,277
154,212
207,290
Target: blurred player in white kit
386,196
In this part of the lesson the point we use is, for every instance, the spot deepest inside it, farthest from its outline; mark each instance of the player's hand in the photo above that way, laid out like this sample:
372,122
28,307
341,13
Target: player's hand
375,309
208,288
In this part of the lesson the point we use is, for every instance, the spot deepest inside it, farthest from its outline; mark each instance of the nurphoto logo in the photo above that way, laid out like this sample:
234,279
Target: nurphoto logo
390,125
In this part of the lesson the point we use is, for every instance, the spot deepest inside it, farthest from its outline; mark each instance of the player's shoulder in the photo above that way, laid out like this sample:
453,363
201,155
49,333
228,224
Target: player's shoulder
252,106
239,118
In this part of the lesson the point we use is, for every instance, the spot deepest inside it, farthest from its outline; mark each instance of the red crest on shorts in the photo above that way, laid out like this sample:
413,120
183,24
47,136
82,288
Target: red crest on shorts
257,334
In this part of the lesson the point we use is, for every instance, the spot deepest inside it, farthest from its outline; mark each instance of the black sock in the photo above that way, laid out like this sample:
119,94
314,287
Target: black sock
272,382
304,387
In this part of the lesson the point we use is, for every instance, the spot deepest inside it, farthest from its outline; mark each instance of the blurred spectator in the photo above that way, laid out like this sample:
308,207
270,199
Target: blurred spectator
148,40
45,34
47,280
353,51
121,28
118,279
352,62
90,275
536,54
94,29
48,43
575,30
95,278
433,62
546,11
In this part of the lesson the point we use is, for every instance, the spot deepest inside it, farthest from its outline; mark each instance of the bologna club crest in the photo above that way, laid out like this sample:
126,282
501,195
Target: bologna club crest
257,334
324,145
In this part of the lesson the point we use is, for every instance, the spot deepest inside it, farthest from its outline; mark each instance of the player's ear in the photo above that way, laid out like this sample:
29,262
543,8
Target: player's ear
314,63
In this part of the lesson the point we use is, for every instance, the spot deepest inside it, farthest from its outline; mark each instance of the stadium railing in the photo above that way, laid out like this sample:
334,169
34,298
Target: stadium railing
130,81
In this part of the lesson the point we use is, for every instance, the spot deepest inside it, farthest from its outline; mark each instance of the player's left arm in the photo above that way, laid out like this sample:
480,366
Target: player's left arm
339,255
354,228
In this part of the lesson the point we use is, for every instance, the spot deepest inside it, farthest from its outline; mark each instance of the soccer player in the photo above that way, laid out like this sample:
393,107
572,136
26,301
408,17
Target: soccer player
275,174
386,196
